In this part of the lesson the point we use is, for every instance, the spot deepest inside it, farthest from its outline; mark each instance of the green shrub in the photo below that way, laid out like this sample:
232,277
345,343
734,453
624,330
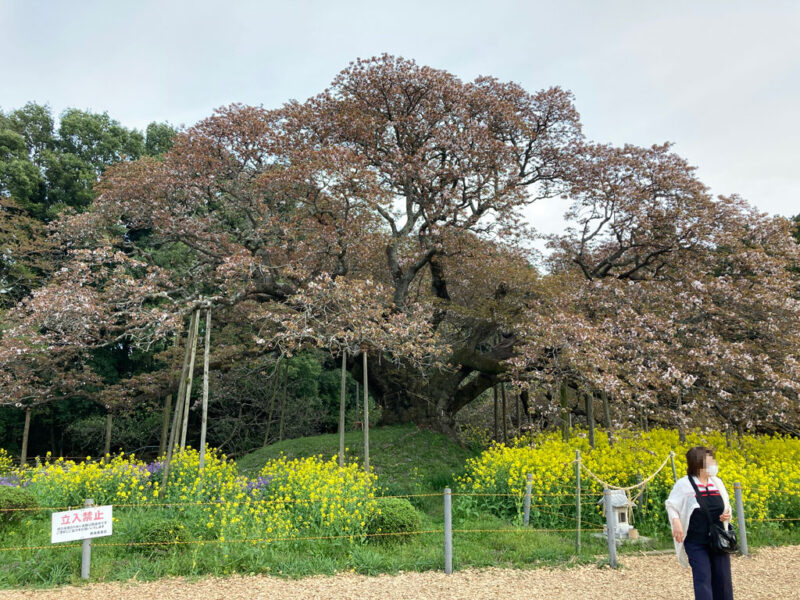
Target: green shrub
394,515
11,500
161,535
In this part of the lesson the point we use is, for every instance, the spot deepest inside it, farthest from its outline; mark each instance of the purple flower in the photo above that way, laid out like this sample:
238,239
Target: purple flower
258,483
154,467
10,480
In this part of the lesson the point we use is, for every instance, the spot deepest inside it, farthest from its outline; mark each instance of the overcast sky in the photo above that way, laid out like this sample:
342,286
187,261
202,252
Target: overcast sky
720,79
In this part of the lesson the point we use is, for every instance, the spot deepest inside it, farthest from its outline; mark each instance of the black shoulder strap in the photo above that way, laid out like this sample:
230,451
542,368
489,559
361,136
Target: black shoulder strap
700,500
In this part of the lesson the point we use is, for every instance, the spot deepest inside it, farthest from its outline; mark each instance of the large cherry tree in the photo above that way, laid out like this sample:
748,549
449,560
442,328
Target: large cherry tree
390,178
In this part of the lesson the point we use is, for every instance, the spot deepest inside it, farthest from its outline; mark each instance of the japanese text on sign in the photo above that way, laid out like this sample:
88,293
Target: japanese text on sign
81,524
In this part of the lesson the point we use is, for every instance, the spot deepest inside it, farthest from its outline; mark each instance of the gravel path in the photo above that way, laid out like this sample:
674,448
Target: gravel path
774,574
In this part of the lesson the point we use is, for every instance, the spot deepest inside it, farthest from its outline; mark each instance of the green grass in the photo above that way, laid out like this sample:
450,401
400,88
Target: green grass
59,565
395,452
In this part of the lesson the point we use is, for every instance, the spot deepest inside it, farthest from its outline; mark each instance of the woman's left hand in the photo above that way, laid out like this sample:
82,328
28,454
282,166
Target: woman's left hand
726,516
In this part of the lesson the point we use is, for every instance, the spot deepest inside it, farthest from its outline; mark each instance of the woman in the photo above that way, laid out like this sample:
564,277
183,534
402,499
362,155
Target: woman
711,571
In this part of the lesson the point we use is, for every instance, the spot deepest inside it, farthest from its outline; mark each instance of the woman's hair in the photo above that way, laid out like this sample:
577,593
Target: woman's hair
696,459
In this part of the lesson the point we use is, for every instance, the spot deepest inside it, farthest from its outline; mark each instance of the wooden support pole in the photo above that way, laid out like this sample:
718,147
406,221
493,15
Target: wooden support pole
496,415
640,499
358,403
189,378
282,418
578,502
674,470
107,447
174,436
366,413
565,421
448,531
607,411
204,417
342,398
172,444
505,416
26,430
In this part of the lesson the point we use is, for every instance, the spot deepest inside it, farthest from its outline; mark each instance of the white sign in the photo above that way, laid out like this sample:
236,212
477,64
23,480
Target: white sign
89,522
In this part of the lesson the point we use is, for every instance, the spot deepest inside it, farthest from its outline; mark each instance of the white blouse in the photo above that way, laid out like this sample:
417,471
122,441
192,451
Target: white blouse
682,501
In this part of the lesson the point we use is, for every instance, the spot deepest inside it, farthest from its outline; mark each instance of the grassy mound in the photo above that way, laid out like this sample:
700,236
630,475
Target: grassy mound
406,459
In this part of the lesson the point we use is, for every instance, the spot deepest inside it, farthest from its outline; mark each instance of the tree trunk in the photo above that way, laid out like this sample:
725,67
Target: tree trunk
23,458
433,401
681,428
590,417
272,396
607,411
189,378
342,399
53,434
162,445
107,449
519,411
204,417
366,413
283,400
524,398
505,416
358,403
562,394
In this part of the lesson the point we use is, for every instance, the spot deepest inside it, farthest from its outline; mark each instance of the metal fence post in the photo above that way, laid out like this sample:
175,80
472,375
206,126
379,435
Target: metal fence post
86,547
578,501
448,531
737,489
526,515
611,526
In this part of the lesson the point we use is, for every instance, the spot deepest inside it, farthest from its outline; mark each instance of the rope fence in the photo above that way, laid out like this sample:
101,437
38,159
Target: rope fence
641,484
271,540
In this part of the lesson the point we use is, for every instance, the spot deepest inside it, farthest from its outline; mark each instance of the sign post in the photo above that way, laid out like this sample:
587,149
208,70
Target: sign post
82,524
86,548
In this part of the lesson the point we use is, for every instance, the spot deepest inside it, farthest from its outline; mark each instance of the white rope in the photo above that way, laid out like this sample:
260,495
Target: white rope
641,484
627,490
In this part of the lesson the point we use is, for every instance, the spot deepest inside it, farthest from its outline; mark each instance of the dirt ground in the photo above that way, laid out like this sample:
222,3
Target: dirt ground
773,573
